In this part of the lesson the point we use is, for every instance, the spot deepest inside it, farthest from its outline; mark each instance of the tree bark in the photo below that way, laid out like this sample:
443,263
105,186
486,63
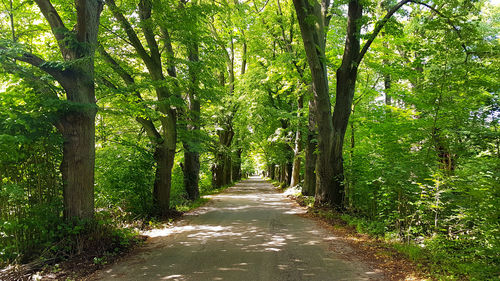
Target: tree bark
237,165
191,167
314,36
271,171
77,166
313,21
295,178
310,157
346,82
163,179
166,140
222,170
77,124
191,173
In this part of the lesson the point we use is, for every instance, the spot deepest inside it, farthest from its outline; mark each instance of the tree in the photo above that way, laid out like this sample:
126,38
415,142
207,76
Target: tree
76,76
314,19
164,140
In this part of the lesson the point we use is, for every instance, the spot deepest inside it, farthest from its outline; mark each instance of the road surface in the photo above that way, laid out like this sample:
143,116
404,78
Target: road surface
249,232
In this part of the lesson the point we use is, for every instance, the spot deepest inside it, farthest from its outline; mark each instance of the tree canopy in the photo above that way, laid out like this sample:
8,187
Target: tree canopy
385,111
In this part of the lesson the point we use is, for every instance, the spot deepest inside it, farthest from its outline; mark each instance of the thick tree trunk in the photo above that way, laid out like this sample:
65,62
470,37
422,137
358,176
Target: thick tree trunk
295,179
313,36
313,21
310,158
163,178
288,173
237,166
164,156
223,169
77,166
346,83
227,170
191,167
77,124
191,170
331,131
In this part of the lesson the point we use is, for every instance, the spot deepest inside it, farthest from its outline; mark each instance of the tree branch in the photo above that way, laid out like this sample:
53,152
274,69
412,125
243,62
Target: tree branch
146,25
56,25
127,78
134,39
378,27
146,123
167,41
36,61
459,34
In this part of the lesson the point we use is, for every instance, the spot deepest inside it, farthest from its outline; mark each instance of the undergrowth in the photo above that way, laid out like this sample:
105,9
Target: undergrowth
440,257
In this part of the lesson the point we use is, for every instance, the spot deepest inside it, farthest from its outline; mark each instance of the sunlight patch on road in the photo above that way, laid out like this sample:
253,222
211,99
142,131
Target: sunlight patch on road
161,232
174,276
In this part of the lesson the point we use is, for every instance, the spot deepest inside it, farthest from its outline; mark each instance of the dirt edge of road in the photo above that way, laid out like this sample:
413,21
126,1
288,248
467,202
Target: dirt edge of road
375,252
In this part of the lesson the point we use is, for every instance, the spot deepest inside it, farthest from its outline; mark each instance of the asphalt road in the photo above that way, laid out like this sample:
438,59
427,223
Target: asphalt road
249,232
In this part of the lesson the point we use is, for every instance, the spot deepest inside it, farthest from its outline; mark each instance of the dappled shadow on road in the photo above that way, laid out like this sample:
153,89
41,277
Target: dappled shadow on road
249,232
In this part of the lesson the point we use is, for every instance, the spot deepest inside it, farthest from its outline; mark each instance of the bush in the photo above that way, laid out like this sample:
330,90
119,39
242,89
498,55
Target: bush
124,180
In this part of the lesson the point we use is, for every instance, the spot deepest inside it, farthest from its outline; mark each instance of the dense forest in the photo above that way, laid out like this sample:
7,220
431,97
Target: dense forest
386,112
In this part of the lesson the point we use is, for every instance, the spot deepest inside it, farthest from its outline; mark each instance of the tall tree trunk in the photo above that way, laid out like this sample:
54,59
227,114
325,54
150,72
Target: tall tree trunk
310,157
218,171
163,178
271,171
313,21
167,139
227,170
288,173
191,167
346,83
191,170
237,165
313,36
77,124
77,166
295,178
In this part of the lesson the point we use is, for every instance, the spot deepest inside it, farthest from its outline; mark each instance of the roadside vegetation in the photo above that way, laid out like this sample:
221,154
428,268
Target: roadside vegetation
119,115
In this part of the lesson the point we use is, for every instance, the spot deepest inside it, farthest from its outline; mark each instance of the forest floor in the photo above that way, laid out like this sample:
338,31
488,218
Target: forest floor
252,232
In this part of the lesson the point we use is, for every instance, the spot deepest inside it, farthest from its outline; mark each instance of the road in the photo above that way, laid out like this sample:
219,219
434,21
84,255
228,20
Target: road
249,232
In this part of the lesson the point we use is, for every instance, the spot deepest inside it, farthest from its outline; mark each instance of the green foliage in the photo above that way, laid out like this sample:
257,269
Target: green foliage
30,184
423,167
124,180
374,228
421,154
